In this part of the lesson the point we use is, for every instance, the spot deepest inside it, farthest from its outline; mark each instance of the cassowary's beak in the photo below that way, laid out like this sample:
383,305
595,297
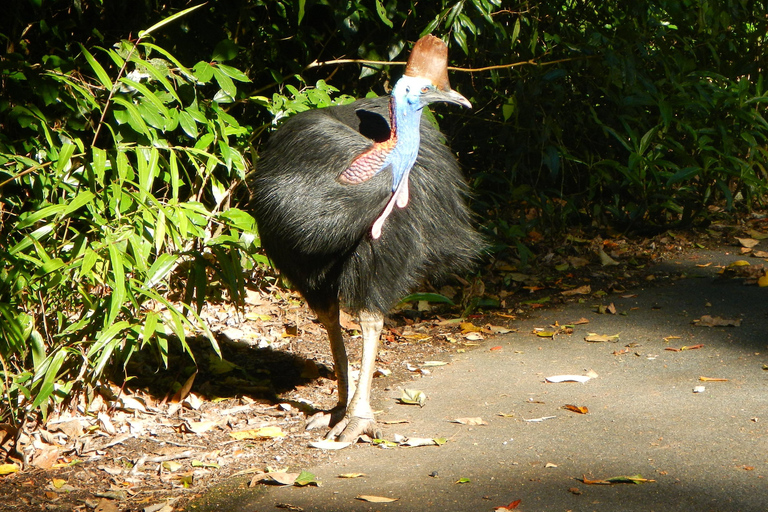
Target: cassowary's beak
447,96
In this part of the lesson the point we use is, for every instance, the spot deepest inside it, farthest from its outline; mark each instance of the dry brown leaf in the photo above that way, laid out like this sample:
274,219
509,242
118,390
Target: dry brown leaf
581,409
692,347
716,321
511,506
276,477
106,505
46,457
183,391
601,338
712,379
581,290
748,242
375,499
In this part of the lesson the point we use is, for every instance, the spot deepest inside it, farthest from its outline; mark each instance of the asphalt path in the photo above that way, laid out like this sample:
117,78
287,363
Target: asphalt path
702,451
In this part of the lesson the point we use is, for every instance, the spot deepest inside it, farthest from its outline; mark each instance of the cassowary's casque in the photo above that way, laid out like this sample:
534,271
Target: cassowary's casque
357,204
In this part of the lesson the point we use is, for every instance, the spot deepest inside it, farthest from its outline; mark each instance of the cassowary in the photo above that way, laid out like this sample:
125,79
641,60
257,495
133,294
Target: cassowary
356,205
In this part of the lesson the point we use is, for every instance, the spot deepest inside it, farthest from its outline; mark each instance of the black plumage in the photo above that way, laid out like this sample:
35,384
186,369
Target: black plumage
317,229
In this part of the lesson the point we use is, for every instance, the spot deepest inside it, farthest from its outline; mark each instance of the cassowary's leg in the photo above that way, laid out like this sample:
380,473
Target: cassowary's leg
359,418
330,320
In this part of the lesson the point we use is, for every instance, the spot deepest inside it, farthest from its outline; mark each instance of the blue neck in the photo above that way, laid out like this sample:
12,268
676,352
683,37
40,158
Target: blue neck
406,121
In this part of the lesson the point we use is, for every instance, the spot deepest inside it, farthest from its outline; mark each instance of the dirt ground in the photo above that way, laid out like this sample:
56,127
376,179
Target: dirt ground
161,438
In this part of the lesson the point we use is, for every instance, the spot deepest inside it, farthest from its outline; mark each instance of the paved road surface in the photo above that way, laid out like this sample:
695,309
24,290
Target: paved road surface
706,451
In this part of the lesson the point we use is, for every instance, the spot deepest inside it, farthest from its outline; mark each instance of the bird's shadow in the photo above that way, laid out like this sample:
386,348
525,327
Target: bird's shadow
260,374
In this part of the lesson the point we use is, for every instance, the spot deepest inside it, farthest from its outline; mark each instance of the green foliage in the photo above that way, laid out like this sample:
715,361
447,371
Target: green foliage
117,168
119,164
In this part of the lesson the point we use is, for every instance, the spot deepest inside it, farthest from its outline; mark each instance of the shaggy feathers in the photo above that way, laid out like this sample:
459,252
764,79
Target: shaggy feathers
317,230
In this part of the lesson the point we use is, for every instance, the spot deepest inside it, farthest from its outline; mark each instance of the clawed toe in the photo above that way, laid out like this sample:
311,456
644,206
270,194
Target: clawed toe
325,419
352,428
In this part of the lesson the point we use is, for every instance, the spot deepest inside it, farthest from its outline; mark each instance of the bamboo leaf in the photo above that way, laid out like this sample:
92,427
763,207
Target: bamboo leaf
100,73
118,284
169,19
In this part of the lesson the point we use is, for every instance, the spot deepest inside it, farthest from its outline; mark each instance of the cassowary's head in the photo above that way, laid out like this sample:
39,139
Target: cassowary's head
426,77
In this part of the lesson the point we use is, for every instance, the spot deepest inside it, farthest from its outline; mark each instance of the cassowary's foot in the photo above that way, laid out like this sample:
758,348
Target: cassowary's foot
351,428
326,419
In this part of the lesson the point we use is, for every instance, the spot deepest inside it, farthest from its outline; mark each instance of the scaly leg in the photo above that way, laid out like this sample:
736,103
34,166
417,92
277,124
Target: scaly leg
359,418
330,320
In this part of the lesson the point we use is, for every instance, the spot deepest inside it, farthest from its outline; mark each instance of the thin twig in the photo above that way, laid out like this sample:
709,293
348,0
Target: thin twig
531,62
112,92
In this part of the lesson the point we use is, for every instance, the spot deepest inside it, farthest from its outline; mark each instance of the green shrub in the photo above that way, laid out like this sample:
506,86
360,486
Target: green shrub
117,168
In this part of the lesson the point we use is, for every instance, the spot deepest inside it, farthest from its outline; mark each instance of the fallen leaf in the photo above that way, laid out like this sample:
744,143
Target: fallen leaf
636,479
692,347
201,464
748,242
538,420
469,327
430,364
545,334
276,477
171,465
568,378
413,397
58,482
7,469
375,499
470,421
200,427
258,433
716,321
419,441
574,490
606,260
351,475
581,290
106,505
462,481
576,408
328,444
511,506
601,338
306,478
286,506
712,379
496,329
762,282
609,309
